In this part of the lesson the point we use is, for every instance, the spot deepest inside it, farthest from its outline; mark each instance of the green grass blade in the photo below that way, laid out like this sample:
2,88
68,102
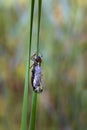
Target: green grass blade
25,98
34,98
39,18
33,112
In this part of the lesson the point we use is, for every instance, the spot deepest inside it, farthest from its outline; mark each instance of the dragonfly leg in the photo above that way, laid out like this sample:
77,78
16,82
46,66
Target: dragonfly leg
33,57
31,66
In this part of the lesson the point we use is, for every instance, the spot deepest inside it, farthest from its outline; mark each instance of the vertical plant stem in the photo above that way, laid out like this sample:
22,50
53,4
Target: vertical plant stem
34,97
39,18
25,98
33,112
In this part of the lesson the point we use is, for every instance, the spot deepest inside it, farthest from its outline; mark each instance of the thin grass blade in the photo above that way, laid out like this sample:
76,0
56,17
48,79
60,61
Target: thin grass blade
39,19
34,97
25,98
33,112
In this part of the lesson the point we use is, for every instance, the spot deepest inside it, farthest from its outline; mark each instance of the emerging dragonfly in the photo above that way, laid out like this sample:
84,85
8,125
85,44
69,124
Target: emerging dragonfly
36,73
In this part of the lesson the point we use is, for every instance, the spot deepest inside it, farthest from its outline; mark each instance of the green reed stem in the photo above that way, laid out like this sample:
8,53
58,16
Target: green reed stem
34,97
39,18
33,112
25,98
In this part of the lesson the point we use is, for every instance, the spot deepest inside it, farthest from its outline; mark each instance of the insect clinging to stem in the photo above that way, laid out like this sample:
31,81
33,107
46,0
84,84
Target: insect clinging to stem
36,73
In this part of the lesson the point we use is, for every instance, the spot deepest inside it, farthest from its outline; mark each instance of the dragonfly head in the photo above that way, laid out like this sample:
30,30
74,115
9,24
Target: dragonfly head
38,59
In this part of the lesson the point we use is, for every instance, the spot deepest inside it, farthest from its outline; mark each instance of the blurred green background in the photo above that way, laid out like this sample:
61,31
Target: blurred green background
63,44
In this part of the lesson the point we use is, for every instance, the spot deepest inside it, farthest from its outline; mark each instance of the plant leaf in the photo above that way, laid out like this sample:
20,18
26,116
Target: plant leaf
25,98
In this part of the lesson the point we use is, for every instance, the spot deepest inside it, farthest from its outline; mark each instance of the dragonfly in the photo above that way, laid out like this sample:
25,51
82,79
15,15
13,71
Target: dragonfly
36,77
